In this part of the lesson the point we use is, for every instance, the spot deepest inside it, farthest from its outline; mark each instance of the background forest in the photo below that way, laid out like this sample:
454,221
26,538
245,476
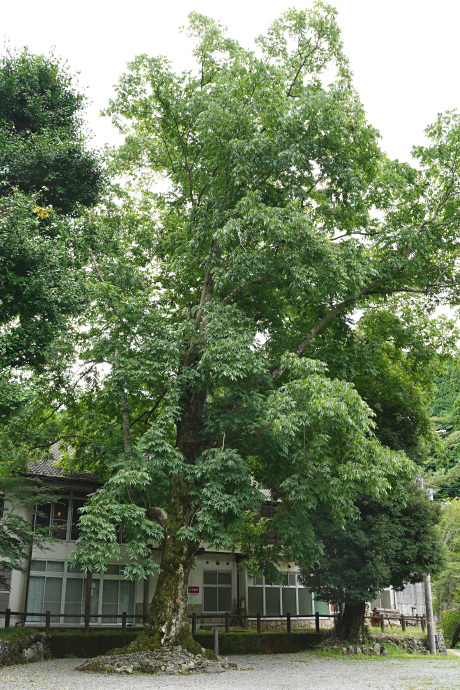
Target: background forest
443,462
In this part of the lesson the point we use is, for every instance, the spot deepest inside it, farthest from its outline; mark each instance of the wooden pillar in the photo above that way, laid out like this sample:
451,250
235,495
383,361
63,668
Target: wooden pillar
88,588
145,599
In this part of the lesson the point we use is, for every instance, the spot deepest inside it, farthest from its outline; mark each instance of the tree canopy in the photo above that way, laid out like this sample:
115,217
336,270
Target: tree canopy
48,176
392,542
221,352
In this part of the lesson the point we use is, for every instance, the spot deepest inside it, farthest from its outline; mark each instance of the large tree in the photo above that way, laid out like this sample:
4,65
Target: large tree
225,298
391,542
48,176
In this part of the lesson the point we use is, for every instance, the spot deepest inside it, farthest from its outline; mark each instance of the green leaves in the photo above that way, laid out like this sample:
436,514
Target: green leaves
262,319
42,148
391,542
223,490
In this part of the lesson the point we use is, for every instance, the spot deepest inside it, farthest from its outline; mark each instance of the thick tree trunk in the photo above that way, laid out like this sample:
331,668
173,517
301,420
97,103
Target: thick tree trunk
168,622
351,623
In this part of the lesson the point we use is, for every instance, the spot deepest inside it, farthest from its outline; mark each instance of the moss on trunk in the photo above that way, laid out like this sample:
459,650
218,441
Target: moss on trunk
168,622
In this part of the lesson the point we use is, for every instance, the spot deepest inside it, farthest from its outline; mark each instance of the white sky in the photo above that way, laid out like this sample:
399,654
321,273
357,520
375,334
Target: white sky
404,53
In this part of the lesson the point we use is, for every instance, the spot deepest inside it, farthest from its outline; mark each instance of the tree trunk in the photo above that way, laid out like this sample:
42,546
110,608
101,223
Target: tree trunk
168,622
351,624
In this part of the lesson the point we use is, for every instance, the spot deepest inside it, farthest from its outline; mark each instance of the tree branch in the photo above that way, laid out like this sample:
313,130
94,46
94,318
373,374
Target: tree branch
257,281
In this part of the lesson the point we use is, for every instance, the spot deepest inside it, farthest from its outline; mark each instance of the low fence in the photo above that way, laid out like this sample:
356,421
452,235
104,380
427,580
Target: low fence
124,619
225,621
231,620
114,620
379,620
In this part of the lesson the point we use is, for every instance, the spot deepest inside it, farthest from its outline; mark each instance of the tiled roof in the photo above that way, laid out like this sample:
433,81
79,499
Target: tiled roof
49,469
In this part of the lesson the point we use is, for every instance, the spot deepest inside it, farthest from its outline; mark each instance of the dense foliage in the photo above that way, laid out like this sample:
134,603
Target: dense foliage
442,463
220,353
47,177
42,143
392,542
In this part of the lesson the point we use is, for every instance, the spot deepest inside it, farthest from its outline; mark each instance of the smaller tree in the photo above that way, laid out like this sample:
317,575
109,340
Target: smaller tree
392,542
17,534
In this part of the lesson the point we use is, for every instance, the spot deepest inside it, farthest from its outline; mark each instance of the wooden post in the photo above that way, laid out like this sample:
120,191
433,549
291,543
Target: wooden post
145,600
317,622
382,622
227,622
7,618
288,622
259,627
403,623
88,590
423,623
123,622
417,621
47,621
193,623
216,642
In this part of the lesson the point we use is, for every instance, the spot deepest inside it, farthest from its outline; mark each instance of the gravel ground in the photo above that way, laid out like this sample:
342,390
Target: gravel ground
293,671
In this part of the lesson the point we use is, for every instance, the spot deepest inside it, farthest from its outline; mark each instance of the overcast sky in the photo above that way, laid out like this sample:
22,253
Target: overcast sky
404,53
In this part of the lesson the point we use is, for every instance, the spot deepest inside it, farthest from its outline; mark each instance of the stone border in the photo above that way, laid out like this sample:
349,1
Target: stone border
168,661
25,649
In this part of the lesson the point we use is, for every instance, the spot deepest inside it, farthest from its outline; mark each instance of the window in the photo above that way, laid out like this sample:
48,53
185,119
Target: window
217,591
45,589
61,518
77,503
269,510
60,587
270,599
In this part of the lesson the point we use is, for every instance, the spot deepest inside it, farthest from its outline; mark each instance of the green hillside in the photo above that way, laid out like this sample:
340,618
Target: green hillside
443,462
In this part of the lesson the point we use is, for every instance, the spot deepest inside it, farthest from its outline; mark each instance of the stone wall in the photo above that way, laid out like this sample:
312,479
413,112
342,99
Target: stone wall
24,649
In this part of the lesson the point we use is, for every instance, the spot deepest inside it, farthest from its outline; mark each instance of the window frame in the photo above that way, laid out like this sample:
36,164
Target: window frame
217,586
262,584
66,574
